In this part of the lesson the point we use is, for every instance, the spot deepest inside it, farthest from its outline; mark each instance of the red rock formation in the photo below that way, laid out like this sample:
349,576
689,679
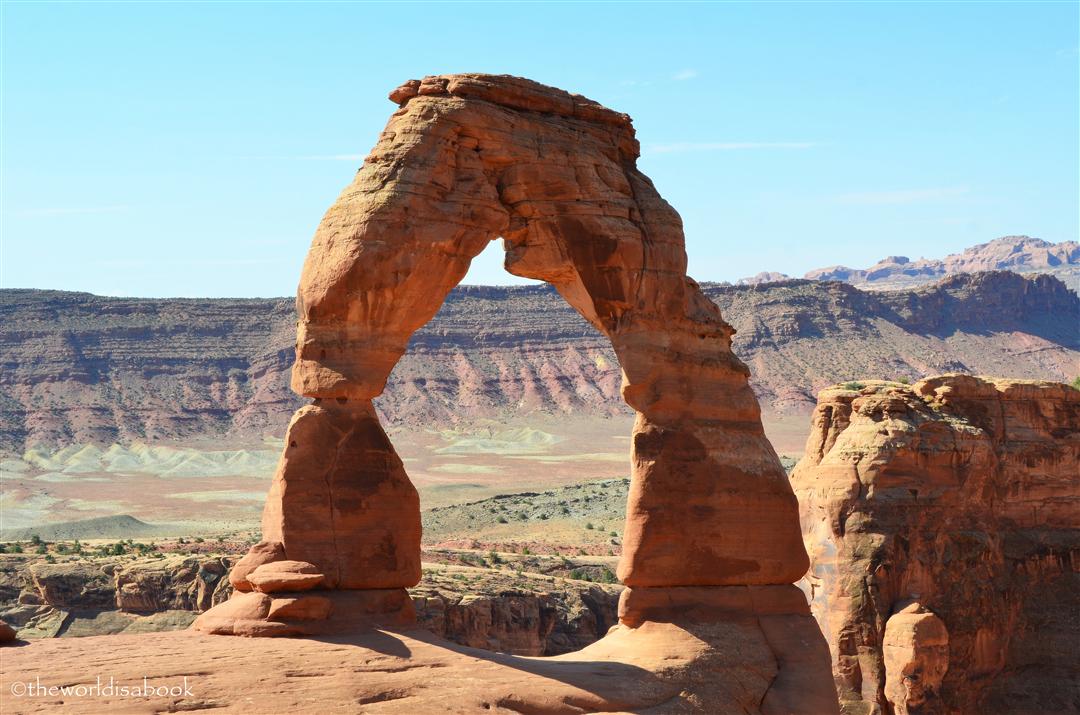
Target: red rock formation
465,160
7,634
943,523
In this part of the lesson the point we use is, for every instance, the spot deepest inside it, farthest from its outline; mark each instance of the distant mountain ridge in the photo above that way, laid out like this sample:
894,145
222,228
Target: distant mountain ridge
1020,254
82,369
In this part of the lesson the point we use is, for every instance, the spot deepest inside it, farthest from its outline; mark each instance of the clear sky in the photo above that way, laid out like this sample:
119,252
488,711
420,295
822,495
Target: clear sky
191,149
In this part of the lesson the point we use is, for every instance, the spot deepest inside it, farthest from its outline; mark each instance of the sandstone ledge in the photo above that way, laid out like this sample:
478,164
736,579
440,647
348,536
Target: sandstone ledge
658,668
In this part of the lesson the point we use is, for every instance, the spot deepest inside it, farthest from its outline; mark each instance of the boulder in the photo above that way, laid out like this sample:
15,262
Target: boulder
285,576
7,633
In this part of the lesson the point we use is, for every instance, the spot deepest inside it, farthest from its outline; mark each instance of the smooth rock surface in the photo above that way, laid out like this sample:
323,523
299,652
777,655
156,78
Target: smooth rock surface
285,575
657,668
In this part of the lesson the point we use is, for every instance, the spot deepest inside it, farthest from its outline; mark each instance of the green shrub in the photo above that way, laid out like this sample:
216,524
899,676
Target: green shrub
1076,383
853,386
41,549
589,526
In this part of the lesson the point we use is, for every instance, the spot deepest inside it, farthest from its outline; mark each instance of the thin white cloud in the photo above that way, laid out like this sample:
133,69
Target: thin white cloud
71,210
724,146
905,196
683,75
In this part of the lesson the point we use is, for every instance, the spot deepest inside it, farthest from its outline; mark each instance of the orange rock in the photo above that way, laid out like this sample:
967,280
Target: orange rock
916,652
261,553
329,612
341,499
242,615
285,576
960,493
303,608
7,633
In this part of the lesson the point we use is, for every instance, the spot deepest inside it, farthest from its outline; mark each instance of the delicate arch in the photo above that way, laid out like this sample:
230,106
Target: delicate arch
466,159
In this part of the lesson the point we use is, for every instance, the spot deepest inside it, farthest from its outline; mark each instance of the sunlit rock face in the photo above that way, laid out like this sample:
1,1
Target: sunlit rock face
712,538
943,525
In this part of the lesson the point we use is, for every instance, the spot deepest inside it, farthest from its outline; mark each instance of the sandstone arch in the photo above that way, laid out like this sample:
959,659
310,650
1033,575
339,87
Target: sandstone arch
712,523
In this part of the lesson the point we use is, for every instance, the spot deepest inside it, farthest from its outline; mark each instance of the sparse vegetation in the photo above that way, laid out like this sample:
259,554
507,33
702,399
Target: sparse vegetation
853,385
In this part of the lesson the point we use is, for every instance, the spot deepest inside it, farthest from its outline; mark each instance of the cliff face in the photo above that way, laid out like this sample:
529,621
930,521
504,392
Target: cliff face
77,368
113,595
943,525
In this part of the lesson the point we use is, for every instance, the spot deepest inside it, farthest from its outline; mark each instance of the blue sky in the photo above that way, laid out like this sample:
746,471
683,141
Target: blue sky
191,149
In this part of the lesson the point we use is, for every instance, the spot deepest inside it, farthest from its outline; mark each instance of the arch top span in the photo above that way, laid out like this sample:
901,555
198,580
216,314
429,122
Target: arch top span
463,160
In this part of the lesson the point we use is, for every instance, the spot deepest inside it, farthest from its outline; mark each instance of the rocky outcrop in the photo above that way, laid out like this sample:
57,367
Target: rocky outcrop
519,622
1021,254
943,524
114,594
465,160
87,597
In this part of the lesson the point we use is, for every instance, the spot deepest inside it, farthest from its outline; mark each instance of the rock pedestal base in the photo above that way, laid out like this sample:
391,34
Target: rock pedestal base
769,628
308,613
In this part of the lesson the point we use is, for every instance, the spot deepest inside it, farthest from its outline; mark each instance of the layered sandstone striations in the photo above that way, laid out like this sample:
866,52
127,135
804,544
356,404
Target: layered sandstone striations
943,524
81,369
711,540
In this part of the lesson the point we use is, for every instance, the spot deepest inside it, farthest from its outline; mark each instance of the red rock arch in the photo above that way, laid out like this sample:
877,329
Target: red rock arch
712,540
464,160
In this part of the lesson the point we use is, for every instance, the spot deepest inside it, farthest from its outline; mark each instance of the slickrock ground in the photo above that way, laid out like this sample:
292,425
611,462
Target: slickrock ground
656,668
943,524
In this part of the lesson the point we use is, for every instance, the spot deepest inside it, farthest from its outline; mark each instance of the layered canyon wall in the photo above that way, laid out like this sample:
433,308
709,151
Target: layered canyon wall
943,525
